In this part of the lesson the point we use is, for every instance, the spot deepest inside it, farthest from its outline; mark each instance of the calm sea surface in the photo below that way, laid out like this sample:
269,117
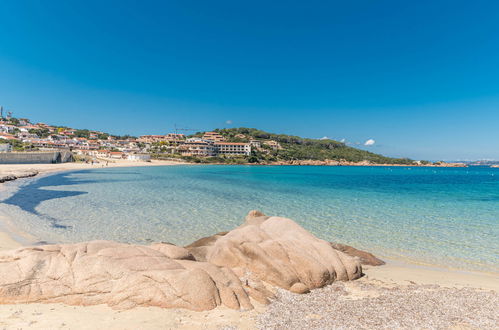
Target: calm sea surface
443,216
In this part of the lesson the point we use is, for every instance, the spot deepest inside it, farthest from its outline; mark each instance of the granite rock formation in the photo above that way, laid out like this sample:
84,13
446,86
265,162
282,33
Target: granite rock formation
278,251
225,269
120,275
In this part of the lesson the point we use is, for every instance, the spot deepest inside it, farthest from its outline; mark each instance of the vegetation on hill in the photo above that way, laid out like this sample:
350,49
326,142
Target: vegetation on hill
18,145
296,148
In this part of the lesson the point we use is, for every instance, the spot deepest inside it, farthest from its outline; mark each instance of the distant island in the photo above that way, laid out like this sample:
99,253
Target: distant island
220,146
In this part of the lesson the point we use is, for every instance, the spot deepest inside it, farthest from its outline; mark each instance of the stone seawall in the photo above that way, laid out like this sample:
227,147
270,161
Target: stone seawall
50,157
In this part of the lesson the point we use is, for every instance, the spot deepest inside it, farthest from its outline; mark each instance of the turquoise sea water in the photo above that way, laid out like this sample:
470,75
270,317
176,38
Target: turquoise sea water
442,216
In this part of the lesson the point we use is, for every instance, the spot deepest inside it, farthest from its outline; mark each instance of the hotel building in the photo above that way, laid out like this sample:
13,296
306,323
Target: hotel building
233,148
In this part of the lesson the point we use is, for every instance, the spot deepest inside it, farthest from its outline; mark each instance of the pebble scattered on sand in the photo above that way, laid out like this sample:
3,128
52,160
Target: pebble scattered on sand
363,305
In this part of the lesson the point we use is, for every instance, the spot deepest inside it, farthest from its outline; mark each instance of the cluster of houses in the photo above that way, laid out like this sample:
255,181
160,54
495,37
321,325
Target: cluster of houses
66,139
100,145
211,144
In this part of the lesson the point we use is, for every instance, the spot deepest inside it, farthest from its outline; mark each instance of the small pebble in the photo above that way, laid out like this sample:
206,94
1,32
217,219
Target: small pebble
403,307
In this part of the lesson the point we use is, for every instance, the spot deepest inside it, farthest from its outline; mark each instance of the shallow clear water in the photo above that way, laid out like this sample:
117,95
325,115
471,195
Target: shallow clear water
444,216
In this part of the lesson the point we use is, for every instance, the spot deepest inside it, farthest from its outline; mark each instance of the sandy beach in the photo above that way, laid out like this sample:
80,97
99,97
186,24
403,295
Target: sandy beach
59,316
50,168
375,295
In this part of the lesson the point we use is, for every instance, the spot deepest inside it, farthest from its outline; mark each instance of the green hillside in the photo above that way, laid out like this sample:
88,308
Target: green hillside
297,148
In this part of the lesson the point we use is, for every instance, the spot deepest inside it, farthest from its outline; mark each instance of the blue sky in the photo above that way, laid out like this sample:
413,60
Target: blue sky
421,78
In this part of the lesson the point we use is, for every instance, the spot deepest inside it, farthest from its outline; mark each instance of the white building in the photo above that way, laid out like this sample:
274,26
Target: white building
197,147
139,157
233,148
5,147
255,144
7,128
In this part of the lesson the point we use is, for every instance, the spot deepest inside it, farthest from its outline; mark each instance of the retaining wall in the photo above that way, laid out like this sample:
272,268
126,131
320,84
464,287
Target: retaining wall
49,157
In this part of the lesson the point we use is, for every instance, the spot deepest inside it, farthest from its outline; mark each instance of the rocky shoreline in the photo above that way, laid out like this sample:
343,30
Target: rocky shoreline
329,162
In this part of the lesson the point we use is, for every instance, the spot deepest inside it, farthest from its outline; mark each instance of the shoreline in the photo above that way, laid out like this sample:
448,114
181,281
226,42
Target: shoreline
6,169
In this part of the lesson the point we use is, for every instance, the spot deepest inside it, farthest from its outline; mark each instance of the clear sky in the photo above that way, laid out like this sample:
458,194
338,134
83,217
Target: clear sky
420,78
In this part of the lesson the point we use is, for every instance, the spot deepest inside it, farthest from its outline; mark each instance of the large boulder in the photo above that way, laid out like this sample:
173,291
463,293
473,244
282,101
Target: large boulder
277,251
120,275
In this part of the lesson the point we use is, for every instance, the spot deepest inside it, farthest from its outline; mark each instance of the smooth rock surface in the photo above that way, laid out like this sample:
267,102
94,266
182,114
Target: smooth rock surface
280,252
225,269
120,275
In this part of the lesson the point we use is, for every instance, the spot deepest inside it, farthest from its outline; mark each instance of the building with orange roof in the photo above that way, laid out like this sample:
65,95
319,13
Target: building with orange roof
7,136
213,136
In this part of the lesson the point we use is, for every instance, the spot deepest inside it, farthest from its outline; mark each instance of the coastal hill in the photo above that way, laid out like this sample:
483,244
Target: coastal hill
270,148
221,146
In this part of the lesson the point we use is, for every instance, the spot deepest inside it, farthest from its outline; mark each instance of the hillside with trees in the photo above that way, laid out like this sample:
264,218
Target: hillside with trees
296,148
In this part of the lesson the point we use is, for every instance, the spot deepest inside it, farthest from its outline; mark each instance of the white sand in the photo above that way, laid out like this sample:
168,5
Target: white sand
405,274
48,168
58,316
7,243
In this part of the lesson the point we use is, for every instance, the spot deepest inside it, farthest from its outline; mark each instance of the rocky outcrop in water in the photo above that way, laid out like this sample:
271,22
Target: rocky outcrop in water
225,269
10,176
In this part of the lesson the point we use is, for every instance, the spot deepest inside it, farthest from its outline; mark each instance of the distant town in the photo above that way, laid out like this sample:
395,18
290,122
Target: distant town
20,134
